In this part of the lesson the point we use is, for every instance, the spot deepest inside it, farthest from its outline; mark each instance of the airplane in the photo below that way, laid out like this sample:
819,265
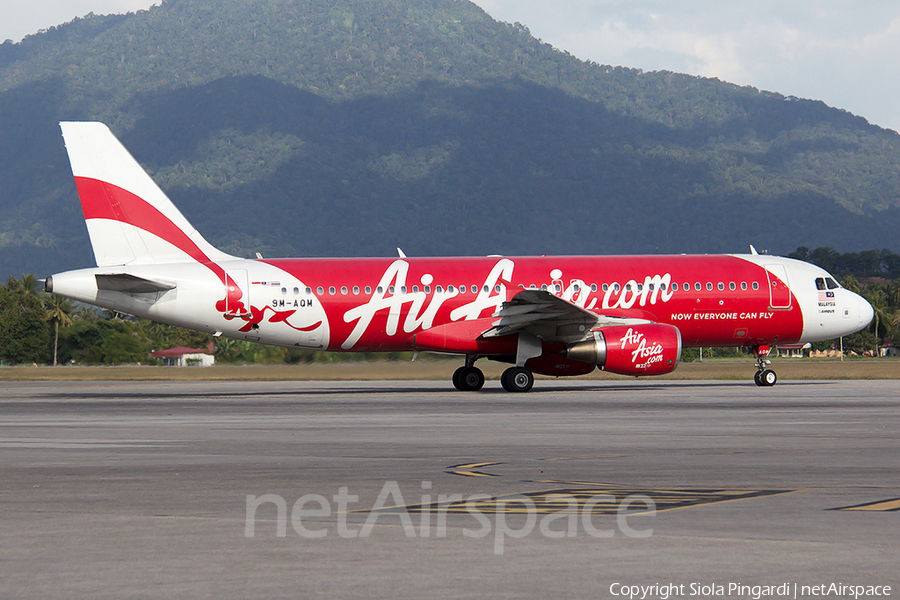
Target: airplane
558,316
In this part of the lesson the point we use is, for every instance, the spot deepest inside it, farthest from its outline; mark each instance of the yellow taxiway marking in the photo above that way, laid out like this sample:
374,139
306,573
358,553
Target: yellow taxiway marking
466,470
474,465
879,506
602,500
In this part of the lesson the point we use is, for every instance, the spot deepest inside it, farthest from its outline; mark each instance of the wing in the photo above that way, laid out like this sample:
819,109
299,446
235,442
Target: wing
550,318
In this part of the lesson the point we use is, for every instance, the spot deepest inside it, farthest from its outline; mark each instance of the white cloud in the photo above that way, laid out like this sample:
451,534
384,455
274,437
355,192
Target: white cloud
840,52
24,18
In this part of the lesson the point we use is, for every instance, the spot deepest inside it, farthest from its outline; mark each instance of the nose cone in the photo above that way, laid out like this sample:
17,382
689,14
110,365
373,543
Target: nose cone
866,313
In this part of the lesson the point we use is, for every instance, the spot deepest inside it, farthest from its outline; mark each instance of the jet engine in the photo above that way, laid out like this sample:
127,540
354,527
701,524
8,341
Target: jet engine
646,349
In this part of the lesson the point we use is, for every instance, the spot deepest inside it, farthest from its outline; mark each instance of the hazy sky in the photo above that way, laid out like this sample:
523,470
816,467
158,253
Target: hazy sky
843,53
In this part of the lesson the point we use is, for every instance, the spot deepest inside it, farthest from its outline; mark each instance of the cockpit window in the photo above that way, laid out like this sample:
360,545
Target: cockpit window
832,284
820,283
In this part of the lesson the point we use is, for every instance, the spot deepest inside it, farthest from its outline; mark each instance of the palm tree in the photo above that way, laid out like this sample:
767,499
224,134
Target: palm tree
30,284
12,284
59,312
850,283
87,313
893,292
879,301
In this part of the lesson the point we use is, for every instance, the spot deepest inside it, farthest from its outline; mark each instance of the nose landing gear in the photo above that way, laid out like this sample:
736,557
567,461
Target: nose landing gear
764,377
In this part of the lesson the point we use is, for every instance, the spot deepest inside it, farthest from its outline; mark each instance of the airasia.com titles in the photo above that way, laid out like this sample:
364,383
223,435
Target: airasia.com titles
424,307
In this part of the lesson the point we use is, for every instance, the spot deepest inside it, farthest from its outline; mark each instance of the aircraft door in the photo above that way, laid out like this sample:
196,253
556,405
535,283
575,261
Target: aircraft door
237,293
779,292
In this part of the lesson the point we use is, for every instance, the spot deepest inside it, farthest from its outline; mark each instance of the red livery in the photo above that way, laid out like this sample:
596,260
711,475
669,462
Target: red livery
551,315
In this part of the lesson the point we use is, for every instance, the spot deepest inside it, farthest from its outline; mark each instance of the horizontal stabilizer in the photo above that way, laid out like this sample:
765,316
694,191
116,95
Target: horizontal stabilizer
131,284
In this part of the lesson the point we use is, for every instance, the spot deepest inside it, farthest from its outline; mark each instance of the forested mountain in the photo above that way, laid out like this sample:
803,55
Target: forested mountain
351,127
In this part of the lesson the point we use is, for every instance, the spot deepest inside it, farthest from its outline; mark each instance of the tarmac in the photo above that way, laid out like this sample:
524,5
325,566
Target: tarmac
596,489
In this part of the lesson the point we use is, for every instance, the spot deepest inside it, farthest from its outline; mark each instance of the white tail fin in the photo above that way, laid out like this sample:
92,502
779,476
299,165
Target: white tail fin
129,219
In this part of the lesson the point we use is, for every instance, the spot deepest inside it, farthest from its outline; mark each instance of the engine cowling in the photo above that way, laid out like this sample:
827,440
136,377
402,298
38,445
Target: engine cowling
647,349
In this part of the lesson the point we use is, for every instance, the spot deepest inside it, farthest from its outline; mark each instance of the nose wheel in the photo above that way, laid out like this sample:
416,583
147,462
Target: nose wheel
765,378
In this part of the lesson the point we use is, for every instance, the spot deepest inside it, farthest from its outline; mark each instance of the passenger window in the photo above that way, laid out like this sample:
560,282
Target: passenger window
732,286
380,289
697,286
308,290
356,290
605,287
721,286
391,289
755,286
320,290
475,289
744,286
594,287
415,289
331,290
368,289
709,286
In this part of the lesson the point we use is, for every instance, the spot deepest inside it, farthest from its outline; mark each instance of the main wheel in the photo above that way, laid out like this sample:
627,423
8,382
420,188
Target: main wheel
768,377
468,379
457,378
757,378
517,379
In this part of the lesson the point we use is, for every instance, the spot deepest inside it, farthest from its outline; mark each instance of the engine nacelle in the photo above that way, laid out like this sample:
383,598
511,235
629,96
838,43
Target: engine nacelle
647,349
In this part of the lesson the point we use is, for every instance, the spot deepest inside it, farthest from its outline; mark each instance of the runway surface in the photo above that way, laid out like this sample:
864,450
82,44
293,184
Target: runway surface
412,490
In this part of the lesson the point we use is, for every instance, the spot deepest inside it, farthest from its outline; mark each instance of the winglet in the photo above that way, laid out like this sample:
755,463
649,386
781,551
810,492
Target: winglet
753,251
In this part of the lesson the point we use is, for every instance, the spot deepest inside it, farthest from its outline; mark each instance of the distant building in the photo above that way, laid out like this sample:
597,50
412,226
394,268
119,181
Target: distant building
185,357
889,348
794,350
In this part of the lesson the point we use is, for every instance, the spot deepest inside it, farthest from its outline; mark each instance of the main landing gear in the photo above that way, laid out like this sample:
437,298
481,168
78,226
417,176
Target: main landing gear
517,379
764,377
469,378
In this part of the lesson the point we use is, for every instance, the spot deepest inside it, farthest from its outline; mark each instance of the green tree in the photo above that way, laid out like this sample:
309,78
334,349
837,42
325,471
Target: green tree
30,286
104,342
24,333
